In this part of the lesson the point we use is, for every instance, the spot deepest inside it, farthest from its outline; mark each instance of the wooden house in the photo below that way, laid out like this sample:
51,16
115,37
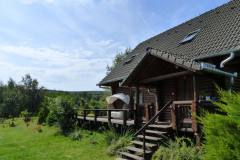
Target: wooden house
171,76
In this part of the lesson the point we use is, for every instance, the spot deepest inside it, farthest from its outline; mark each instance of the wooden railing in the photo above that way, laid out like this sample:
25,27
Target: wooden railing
108,114
183,112
144,127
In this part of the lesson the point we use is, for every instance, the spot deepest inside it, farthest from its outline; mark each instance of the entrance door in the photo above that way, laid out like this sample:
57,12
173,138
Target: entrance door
184,88
184,95
166,92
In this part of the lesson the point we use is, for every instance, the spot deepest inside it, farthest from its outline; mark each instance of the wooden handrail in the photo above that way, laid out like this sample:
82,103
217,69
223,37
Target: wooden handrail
105,109
108,114
182,102
153,118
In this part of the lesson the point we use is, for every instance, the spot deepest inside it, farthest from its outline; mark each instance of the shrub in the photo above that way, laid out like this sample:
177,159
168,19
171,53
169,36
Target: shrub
52,118
2,120
38,128
44,111
43,114
12,124
118,140
26,116
180,149
76,135
222,140
66,115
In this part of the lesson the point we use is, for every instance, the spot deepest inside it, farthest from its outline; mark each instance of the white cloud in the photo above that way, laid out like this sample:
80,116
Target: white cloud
29,2
70,70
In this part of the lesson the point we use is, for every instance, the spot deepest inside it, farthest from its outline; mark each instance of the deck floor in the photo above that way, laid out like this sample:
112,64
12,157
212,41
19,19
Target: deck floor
105,120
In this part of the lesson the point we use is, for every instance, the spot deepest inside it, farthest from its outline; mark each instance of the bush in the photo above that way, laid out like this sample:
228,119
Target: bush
222,140
118,140
43,114
44,110
12,124
26,116
180,149
66,115
52,118
76,135
38,128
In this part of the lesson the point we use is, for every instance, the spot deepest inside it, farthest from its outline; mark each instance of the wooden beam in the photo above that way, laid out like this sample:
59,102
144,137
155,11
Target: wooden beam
137,109
194,105
109,118
173,115
166,76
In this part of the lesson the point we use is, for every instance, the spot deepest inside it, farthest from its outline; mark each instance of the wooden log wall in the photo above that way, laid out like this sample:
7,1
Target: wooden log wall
206,86
236,86
165,91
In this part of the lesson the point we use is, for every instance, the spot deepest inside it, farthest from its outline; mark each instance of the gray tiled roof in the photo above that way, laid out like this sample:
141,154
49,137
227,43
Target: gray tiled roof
219,34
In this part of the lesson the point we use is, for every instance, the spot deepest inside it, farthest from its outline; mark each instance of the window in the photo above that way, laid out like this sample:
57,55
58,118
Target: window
140,97
130,59
190,37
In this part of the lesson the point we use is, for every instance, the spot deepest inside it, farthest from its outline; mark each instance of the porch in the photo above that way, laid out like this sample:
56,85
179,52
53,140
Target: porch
182,118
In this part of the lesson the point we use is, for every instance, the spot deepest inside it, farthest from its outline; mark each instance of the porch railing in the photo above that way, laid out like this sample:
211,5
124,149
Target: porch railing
108,114
184,113
144,127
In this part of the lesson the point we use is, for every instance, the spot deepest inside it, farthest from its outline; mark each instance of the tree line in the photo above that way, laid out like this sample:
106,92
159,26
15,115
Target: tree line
17,97
28,96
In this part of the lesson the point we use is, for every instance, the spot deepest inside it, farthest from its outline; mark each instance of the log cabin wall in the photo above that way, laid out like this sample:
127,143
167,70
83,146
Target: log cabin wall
206,86
235,68
145,96
148,97
236,86
165,93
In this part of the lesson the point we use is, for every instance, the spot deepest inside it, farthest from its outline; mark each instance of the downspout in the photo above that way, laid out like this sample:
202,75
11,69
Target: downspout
231,57
222,64
206,67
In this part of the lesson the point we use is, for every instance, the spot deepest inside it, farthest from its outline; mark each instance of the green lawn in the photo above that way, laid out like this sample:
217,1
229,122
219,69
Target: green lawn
26,143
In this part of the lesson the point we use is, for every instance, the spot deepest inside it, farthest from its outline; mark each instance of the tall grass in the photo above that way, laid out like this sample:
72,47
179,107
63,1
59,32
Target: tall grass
178,149
117,140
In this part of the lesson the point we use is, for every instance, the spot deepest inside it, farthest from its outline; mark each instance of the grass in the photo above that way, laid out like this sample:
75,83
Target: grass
22,142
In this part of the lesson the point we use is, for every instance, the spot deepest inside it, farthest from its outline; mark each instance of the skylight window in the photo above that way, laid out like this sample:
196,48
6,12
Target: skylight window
130,59
190,36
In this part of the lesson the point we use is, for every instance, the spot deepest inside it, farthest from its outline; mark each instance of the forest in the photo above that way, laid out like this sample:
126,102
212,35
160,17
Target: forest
29,96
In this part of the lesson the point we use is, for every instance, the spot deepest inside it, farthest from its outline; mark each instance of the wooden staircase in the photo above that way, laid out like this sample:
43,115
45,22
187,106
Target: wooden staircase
147,140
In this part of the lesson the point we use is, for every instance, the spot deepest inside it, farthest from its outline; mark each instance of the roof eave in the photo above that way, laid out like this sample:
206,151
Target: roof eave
109,82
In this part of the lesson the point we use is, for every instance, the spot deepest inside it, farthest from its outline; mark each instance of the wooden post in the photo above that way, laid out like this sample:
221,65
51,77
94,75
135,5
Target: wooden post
84,115
109,118
137,109
194,105
173,115
124,118
95,116
144,144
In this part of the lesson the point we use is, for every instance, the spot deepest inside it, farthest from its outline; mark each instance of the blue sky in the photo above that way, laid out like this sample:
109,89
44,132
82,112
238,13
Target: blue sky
67,44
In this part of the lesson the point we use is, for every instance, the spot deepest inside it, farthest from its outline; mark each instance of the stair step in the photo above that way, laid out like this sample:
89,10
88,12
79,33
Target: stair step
121,159
160,126
187,121
163,123
156,132
150,138
186,129
138,150
150,145
131,156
